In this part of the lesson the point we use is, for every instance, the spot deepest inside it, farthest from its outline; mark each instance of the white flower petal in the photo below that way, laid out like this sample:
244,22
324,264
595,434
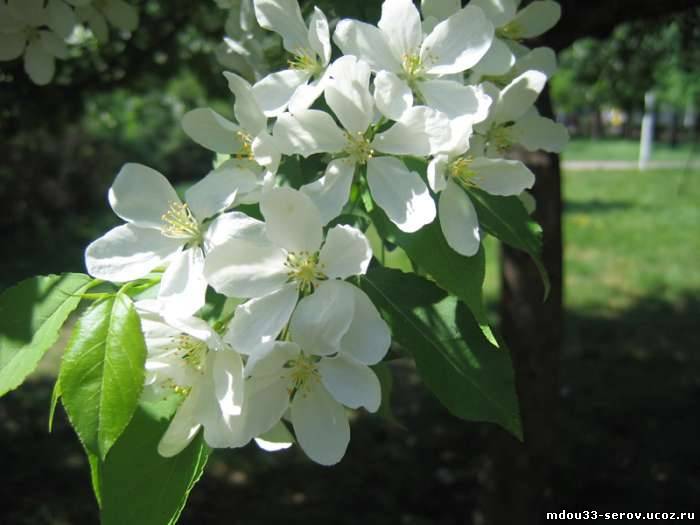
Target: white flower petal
141,195
128,252
392,95
321,425
183,427
537,18
121,15
542,59
275,439
306,94
346,252
183,287
246,108
220,411
437,178
420,131
197,328
31,12
246,268
499,12
401,193
458,43
229,226
308,132
536,132
368,337
331,192
455,99
266,403
351,383
96,22
267,151
260,320
439,9
53,44
319,35
458,220
274,91
209,129
497,61
38,63
267,362
347,93
518,96
214,193
501,177
61,18
322,318
284,18
400,22
11,45
368,43
10,22
292,220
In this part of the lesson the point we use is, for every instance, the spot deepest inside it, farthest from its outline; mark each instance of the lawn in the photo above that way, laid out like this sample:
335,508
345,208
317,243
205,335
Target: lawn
621,149
630,393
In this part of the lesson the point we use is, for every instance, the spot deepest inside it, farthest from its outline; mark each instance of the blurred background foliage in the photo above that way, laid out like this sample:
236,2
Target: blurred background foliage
630,389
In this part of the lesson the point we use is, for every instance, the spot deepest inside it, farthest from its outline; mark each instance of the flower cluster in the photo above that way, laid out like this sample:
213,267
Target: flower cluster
38,30
453,87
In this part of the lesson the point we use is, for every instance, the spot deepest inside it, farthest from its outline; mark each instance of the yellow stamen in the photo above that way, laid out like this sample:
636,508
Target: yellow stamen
511,31
460,170
246,152
180,223
358,148
500,137
304,374
193,351
304,268
305,61
412,66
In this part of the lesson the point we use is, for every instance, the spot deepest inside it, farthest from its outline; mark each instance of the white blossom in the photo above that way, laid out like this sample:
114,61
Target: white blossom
334,335
419,131
300,85
276,261
186,356
248,139
512,119
162,230
22,34
407,59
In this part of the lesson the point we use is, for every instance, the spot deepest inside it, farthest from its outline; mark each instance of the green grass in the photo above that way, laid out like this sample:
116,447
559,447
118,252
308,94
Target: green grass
630,235
621,149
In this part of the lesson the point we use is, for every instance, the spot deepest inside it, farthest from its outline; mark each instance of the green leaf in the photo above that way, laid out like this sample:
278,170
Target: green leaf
507,219
55,396
102,373
461,276
472,377
386,380
31,316
140,486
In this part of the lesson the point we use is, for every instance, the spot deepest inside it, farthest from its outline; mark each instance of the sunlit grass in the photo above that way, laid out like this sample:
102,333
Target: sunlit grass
628,150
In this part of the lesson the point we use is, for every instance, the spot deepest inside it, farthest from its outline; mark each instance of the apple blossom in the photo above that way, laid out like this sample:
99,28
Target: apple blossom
161,230
276,261
247,140
300,85
186,356
334,335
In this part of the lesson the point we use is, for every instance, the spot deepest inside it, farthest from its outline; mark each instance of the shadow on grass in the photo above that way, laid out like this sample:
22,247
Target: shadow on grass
596,206
630,399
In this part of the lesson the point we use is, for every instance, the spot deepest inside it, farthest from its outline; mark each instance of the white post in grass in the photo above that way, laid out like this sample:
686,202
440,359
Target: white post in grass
647,137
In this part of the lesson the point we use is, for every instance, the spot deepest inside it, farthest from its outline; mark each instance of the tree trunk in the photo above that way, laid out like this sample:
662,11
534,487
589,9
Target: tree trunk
533,330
